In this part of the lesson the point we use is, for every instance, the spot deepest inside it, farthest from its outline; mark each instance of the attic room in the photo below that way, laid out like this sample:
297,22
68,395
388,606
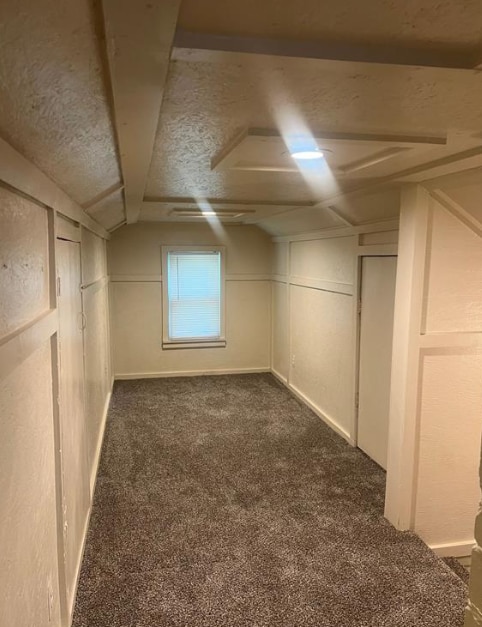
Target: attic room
241,313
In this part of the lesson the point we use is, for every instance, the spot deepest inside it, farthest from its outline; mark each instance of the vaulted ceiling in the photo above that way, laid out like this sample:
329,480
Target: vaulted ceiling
161,110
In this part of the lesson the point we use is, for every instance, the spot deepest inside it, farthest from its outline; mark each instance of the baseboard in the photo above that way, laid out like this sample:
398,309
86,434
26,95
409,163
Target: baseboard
187,373
455,549
280,377
98,450
326,419
93,479
79,566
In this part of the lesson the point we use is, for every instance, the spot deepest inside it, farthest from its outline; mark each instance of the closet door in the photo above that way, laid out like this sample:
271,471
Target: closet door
376,336
73,454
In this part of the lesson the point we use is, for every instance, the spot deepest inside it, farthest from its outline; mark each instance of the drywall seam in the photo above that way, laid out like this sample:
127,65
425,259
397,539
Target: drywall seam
187,373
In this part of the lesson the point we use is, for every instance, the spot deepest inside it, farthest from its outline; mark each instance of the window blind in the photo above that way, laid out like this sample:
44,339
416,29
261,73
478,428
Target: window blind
194,294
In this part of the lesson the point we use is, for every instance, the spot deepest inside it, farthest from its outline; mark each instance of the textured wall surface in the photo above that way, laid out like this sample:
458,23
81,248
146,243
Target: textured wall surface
454,299
24,262
313,331
28,526
29,577
436,397
448,489
134,257
32,430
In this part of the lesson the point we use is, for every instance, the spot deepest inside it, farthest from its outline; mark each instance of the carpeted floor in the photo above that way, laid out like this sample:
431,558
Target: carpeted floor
223,501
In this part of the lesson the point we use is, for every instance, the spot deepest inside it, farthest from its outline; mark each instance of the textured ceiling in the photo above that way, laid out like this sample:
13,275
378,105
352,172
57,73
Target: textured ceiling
55,108
211,97
409,22
53,104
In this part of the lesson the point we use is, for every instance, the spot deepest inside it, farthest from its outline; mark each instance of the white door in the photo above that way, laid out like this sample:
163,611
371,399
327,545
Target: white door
73,455
378,279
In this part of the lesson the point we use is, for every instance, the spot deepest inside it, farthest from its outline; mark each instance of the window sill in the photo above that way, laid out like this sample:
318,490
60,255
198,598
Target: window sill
168,345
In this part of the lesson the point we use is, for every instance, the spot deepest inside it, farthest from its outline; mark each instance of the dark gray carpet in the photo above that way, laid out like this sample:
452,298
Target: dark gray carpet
223,501
459,570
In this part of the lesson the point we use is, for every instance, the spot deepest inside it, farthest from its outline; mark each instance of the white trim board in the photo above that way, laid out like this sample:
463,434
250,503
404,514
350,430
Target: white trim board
279,376
304,399
455,549
157,278
92,482
346,231
188,373
322,285
100,441
21,343
24,177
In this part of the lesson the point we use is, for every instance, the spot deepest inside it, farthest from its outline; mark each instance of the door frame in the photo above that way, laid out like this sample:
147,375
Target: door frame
374,250
63,229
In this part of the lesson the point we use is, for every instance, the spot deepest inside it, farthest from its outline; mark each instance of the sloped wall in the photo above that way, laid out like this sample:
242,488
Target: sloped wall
436,405
32,577
29,577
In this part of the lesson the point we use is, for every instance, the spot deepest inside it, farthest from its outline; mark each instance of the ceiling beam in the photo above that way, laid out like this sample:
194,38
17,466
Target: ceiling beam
386,54
88,206
139,39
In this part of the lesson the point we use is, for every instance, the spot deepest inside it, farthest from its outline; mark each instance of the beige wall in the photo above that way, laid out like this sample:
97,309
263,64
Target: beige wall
134,256
313,325
32,578
314,343
435,424
28,523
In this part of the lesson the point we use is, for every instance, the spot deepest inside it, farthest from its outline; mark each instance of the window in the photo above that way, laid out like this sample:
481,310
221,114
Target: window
193,297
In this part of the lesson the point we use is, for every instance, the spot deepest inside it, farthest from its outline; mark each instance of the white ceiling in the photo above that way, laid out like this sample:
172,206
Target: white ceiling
228,115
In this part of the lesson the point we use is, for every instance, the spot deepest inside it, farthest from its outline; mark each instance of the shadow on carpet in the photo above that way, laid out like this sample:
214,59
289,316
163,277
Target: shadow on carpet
223,501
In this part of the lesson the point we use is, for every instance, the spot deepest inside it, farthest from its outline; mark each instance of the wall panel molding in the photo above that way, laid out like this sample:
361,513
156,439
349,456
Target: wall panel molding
24,177
157,278
372,227
320,284
21,343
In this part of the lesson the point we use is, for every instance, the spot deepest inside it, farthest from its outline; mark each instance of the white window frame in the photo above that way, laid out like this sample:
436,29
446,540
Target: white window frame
167,342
